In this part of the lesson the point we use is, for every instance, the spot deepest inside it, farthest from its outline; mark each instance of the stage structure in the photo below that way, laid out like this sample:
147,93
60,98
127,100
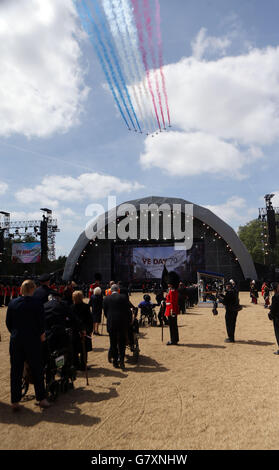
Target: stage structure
268,215
216,248
216,283
41,230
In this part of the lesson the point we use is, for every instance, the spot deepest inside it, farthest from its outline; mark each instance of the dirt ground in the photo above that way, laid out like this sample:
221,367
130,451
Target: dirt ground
202,394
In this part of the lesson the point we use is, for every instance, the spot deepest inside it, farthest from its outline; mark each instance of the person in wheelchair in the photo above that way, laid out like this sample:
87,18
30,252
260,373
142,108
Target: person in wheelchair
62,327
147,310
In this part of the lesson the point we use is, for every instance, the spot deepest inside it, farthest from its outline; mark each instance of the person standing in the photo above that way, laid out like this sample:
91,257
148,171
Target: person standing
254,293
230,301
274,313
118,315
172,308
96,307
94,285
81,311
182,298
266,294
25,322
44,290
14,291
7,292
108,290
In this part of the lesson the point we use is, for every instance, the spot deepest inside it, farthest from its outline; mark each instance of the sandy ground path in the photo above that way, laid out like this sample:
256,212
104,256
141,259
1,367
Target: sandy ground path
202,394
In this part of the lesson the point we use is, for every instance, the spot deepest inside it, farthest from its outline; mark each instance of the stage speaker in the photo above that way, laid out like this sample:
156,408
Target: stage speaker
271,227
43,230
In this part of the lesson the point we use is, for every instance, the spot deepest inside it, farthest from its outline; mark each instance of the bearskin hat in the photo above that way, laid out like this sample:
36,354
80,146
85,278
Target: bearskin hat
173,279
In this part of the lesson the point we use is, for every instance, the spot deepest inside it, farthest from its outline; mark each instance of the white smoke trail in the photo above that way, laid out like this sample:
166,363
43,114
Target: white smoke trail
132,36
113,14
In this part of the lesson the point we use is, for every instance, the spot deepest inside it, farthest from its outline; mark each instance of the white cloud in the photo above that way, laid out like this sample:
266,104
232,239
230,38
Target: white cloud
186,154
41,81
234,211
3,187
233,97
210,44
88,186
230,105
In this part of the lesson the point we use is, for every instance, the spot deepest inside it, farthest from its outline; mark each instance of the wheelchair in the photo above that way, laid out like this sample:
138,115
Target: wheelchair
148,316
132,339
59,369
60,372
133,336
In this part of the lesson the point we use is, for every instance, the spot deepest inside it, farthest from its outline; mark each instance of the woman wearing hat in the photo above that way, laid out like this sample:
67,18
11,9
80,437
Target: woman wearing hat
172,307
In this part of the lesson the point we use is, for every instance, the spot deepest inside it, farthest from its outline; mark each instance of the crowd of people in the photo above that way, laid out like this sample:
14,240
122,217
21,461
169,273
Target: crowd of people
32,308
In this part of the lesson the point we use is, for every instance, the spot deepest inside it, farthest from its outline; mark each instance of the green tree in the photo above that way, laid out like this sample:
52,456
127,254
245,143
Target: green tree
252,235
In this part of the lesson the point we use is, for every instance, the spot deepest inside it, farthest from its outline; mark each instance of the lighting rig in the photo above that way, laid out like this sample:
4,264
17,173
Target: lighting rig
43,230
267,216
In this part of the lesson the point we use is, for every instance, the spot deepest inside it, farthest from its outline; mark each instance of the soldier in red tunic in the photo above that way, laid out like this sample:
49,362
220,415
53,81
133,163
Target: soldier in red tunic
18,290
14,292
61,289
7,291
94,285
172,307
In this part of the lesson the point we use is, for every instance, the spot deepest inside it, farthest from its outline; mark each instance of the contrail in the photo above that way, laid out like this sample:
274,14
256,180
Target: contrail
159,38
147,17
138,75
113,53
144,55
105,52
48,157
112,12
136,57
85,24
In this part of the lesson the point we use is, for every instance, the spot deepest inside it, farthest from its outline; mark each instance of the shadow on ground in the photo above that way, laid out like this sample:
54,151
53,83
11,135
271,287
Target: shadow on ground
254,342
203,346
145,364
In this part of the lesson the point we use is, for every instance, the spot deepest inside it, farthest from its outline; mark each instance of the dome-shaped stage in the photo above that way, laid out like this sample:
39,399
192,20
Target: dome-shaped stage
216,246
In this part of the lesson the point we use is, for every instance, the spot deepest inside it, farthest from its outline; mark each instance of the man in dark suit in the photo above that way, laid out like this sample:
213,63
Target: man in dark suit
231,303
25,322
118,315
44,290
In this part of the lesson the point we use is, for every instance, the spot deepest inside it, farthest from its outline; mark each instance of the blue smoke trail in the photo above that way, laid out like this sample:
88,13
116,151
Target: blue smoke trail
84,21
114,21
113,53
108,60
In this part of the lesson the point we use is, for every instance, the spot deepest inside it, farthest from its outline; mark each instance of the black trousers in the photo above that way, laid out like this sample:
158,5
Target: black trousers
117,345
276,329
1,300
173,329
230,318
182,306
31,353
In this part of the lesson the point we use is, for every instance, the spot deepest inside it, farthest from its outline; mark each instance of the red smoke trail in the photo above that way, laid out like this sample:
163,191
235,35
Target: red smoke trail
147,17
159,38
143,53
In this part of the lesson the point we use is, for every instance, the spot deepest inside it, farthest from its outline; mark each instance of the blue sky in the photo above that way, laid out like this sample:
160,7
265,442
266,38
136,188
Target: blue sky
63,144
